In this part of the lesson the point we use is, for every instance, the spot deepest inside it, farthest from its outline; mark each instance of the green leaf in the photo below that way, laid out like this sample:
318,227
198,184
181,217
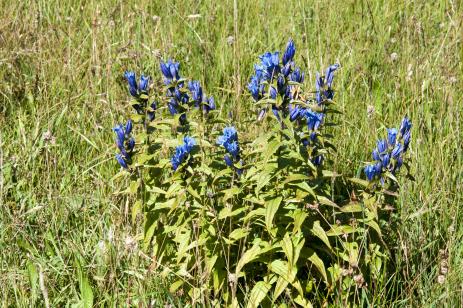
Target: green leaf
249,256
258,293
193,192
295,177
271,207
361,182
353,207
315,259
318,231
86,293
175,285
280,286
227,212
304,186
271,148
340,230
33,278
326,201
287,246
238,234
229,193
136,209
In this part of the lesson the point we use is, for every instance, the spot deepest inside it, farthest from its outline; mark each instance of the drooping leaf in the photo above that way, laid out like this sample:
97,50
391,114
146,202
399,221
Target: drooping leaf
271,207
258,293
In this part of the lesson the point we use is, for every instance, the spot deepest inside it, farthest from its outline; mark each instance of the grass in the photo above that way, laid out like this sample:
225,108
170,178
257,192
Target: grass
62,230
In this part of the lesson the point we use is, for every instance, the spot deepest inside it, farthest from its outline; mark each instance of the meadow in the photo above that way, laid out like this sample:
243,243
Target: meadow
67,239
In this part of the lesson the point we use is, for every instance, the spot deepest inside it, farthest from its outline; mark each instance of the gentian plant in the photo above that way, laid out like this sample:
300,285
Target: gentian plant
259,219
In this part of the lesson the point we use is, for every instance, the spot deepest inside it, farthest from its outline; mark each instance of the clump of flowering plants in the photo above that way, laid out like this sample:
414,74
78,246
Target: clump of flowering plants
231,217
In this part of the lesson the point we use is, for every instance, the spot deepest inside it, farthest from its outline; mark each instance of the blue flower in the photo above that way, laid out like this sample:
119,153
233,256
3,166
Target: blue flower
397,151
271,64
376,155
172,105
125,142
391,136
209,104
229,140
128,127
121,161
255,86
317,161
405,126
151,113
406,139
372,171
381,146
276,112
196,92
228,160
314,119
273,93
323,85
132,81
294,112
143,84
229,135
329,74
289,52
297,76
385,160
135,89
182,152
170,70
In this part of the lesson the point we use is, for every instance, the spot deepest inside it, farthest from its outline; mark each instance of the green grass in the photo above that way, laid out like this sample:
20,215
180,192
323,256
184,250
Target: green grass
61,66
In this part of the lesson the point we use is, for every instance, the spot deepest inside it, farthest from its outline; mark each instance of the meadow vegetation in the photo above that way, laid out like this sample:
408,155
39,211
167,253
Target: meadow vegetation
67,238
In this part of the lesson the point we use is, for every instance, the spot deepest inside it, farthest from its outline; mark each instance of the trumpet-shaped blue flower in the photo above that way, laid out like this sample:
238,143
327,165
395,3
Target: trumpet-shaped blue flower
209,104
297,76
196,92
143,83
397,151
314,119
270,62
372,171
289,52
391,136
134,88
256,87
406,140
151,112
381,145
182,152
125,142
405,126
389,150
121,161
170,70
132,81
317,161
323,85
229,140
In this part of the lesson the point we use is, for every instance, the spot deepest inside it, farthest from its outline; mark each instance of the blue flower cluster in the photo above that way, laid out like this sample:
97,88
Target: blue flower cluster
388,154
175,91
323,85
125,142
137,89
198,98
182,151
229,140
269,70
